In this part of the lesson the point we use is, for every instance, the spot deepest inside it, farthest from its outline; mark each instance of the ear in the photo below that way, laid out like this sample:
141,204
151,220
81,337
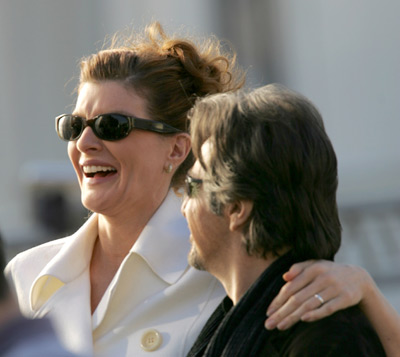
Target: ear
180,148
239,213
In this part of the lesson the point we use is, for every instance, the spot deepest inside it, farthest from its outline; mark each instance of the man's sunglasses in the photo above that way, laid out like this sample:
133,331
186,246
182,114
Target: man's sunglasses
108,127
192,185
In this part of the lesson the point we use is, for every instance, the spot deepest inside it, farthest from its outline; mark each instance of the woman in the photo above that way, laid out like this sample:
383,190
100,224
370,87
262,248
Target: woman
121,285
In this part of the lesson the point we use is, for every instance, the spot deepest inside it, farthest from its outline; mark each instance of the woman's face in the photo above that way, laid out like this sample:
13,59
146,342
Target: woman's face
116,176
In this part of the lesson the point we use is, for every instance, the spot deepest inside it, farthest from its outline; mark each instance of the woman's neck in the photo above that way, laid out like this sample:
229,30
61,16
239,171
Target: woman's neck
119,231
117,234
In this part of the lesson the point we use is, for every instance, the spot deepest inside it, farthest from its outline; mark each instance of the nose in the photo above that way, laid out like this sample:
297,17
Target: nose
88,141
183,205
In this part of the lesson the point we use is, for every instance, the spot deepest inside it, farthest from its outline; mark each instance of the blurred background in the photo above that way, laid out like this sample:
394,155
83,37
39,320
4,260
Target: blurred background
343,55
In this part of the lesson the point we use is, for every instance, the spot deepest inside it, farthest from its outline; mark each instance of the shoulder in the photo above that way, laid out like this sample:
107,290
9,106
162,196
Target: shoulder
347,332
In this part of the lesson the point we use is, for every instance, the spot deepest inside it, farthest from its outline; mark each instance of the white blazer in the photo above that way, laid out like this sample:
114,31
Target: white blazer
156,302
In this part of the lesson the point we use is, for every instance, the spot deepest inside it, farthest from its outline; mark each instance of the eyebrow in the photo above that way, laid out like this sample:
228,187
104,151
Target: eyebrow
121,112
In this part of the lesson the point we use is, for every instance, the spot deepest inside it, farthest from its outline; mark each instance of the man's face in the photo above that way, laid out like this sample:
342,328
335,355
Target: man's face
209,232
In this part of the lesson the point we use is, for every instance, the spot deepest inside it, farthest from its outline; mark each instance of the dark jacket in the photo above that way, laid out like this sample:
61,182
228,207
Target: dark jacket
239,331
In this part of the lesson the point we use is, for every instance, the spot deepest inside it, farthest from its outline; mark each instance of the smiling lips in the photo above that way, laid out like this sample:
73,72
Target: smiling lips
98,171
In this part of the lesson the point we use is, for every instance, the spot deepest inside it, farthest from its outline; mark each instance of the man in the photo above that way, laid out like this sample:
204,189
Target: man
260,197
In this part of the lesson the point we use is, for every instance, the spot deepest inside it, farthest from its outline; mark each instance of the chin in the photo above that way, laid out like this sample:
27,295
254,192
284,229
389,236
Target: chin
194,260
88,204
93,204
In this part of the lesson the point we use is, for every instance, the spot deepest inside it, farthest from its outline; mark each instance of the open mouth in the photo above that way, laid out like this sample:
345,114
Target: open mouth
98,171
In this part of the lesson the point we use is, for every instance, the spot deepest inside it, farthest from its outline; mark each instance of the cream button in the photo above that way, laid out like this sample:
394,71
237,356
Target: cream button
151,340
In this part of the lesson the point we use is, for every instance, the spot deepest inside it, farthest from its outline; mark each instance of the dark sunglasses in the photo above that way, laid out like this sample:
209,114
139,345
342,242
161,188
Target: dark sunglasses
108,127
192,185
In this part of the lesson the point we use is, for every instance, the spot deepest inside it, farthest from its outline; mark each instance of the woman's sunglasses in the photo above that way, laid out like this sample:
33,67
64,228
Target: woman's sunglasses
108,127
192,186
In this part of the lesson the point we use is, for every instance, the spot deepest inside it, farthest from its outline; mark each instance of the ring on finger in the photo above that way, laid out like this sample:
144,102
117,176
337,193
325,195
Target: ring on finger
319,297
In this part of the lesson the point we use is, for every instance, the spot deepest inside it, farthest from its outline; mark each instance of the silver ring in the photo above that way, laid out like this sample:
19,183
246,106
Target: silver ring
319,297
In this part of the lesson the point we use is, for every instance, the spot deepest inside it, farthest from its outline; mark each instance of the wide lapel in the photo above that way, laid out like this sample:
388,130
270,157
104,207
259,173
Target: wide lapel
69,309
62,290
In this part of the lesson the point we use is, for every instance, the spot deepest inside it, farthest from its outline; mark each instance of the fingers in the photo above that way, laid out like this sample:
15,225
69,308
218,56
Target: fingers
325,310
281,301
340,286
297,269
290,289
297,305
314,311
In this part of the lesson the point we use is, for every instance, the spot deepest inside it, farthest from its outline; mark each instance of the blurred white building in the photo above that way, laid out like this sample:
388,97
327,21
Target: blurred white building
343,55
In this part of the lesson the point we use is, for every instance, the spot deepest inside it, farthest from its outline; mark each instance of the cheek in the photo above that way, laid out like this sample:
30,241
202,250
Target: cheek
195,214
73,155
188,211
140,152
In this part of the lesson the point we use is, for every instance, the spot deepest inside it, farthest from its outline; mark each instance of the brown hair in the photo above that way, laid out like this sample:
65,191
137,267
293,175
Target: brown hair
170,73
270,146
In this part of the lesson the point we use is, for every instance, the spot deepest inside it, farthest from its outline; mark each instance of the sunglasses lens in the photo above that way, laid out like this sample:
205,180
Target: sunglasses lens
70,127
192,186
188,188
112,127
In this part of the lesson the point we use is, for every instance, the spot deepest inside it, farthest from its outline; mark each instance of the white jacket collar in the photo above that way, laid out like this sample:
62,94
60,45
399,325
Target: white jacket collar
163,244
70,262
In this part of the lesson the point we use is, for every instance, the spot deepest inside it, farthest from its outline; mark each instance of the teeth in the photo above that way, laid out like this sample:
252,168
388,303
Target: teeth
94,169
